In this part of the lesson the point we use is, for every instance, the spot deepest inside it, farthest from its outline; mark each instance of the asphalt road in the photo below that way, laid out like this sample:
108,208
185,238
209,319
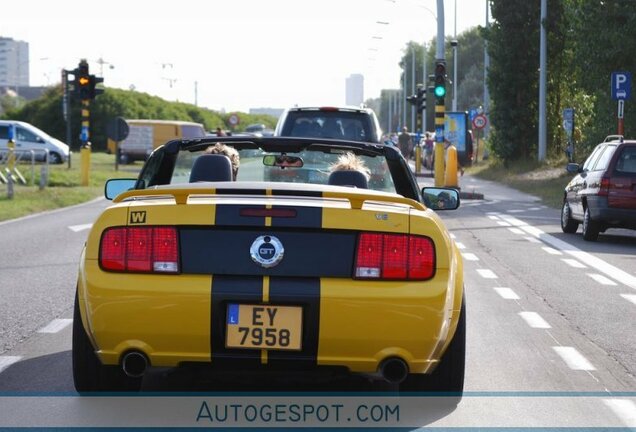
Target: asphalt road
550,322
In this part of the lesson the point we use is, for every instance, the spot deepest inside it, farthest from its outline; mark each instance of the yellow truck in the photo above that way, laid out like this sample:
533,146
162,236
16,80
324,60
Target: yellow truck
146,135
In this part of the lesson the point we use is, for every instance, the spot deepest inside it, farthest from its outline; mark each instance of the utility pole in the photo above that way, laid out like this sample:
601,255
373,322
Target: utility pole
486,66
413,108
542,83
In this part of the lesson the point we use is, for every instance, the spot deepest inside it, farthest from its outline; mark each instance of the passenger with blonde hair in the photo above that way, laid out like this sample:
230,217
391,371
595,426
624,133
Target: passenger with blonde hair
350,162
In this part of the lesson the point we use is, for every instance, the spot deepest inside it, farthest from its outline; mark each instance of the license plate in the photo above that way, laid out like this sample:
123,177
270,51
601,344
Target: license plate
264,327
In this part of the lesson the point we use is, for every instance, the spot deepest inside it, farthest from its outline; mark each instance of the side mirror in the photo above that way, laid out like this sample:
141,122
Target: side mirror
573,168
114,187
440,198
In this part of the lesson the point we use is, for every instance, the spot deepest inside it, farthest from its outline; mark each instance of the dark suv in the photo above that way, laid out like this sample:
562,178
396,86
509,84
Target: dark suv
603,193
349,123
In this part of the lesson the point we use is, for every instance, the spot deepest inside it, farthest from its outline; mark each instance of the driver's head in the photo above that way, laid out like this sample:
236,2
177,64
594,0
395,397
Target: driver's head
228,151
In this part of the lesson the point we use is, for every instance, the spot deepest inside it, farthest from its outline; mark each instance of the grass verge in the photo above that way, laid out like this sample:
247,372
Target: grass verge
64,186
544,180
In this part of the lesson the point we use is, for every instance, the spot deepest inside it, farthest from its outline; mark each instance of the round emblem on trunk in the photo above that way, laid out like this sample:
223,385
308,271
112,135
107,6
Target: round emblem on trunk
267,251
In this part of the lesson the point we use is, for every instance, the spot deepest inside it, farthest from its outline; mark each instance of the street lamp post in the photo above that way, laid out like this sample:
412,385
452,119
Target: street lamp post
454,45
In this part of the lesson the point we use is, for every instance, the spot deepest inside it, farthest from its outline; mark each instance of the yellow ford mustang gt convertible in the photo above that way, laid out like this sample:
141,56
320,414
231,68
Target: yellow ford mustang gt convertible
316,256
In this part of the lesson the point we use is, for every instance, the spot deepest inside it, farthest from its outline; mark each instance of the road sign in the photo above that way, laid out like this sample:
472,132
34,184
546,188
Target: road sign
117,129
621,85
568,121
480,121
233,120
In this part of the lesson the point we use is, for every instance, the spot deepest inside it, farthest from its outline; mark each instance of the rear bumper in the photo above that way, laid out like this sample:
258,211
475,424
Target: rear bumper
611,216
356,325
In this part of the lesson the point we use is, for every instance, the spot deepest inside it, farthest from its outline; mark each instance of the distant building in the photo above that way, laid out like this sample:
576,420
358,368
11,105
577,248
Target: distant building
274,112
354,88
14,63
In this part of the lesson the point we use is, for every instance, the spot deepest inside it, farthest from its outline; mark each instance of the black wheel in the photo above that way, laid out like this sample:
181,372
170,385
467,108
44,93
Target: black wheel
124,159
55,158
568,225
89,374
591,228
448,377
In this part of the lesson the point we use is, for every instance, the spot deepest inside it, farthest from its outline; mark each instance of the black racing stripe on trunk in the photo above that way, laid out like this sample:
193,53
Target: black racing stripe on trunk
306,217
225,290
230,215
308,253
301,193
241,192
303,292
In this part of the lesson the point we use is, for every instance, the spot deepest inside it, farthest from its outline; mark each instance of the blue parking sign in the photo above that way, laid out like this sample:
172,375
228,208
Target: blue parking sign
621,85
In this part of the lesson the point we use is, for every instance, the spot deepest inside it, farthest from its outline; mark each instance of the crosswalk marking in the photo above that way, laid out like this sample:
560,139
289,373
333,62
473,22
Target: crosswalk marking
573,358
534,320
507,293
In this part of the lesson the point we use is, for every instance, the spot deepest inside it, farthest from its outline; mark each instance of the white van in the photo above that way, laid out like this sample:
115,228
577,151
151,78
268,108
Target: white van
27,137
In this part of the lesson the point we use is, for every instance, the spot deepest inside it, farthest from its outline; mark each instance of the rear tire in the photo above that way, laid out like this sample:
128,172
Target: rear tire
89,374
568,225
55,158
591,228
448,377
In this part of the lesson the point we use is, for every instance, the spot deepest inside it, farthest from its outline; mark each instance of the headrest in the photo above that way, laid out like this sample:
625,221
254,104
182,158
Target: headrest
211,168
348,178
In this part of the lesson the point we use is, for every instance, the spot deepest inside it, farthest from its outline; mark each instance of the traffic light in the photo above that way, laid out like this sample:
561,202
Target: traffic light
82,80
421,98
412,100
440,79
94,90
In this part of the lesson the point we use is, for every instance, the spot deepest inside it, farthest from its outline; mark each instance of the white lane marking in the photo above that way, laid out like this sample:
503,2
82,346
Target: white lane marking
516,231
532,240
629,297
487,274
592,261
55,326
551,251
460,245
6,361
470,256
573,358
534,320
493,217
507,293
452,236
515,211
625,409
78,228
535,208
573,263
502,223
602,279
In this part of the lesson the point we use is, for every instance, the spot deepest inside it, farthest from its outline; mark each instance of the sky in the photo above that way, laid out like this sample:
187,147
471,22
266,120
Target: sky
237,54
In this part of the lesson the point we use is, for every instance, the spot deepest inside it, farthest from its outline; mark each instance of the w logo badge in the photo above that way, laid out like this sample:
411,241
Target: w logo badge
138,217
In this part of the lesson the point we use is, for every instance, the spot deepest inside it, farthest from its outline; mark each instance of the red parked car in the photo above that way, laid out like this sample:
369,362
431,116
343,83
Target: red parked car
603,193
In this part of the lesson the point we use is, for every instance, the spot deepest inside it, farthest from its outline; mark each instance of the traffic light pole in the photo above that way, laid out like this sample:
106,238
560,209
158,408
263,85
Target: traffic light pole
85,151
440,92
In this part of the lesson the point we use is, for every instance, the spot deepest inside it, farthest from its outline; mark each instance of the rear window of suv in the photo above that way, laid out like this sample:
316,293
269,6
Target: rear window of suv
604,159
353,126
626,163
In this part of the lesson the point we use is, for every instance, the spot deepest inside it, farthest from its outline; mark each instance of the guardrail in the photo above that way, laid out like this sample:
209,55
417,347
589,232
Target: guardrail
10,173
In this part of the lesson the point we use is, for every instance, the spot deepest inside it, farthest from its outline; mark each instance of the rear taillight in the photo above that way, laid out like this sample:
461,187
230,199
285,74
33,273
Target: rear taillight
604,188
394,256
140,249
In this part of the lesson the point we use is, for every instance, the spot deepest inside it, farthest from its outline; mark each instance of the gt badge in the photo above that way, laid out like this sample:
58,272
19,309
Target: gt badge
267,251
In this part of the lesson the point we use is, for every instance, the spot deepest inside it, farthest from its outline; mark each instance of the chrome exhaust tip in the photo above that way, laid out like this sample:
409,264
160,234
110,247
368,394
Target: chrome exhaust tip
394,370
134,364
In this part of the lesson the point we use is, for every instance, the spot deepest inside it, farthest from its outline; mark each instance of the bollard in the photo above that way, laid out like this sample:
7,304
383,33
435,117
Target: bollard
418,159
439,164
450,179
10,166
85,156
